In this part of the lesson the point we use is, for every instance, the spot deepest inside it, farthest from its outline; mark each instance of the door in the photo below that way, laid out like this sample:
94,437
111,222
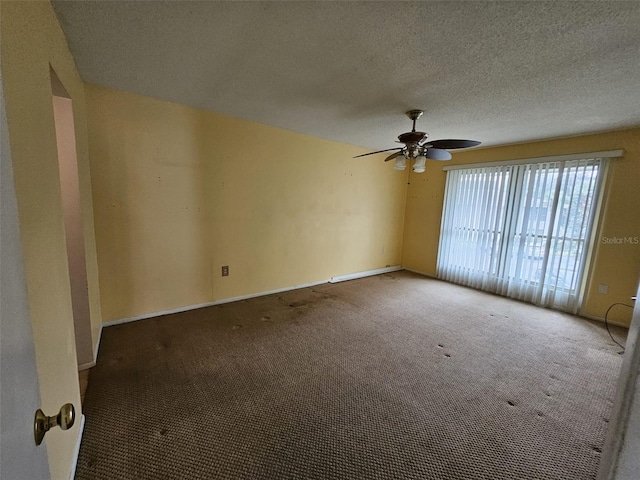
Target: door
19,390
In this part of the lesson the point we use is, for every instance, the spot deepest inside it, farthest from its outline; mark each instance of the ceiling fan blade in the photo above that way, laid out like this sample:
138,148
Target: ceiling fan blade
453,144
392,156
379,151
437,154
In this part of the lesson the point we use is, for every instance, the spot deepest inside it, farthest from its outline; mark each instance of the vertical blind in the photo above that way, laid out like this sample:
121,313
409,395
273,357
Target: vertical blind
521,230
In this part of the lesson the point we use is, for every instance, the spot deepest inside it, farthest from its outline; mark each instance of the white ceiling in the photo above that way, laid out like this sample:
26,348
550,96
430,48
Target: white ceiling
498,72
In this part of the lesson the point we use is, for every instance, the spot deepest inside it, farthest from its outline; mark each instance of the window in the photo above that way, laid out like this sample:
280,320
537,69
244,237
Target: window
521,230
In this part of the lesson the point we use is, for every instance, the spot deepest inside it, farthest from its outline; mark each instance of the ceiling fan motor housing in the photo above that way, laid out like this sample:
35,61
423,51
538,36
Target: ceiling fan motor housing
412,137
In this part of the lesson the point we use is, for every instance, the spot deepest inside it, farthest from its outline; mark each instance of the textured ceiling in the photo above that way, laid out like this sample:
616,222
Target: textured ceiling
498,72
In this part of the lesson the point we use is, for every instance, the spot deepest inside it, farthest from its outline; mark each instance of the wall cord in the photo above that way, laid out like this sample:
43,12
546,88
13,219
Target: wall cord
606,324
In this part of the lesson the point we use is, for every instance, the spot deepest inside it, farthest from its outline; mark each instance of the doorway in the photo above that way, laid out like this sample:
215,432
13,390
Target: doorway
73,225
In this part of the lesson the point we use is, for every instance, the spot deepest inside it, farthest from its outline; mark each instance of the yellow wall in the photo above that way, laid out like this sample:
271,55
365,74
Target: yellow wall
179,192
615,265
32,40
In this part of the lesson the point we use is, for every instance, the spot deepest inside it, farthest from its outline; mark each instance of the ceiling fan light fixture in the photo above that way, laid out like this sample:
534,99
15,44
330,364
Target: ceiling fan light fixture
401,163
417,149
419,165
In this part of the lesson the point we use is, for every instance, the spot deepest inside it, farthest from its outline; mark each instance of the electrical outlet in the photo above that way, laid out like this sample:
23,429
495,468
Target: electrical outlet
225,270
603,289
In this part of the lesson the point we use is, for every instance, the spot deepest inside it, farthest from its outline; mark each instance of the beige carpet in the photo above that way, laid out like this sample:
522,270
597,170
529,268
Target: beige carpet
389,377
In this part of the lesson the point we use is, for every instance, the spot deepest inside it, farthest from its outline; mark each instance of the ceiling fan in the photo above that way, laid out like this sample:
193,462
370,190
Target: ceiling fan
417,148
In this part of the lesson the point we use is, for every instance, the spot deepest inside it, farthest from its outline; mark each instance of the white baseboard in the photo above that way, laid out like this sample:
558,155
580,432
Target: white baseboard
87,366
209,304
419,272
269,292
601,319
119,321
368,273
187,308
74,464
96,347
590,317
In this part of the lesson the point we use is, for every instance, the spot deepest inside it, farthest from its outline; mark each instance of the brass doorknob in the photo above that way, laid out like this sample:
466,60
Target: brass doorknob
64,419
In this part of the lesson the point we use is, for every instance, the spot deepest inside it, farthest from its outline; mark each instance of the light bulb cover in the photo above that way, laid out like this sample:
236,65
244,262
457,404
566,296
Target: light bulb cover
419,165
401,163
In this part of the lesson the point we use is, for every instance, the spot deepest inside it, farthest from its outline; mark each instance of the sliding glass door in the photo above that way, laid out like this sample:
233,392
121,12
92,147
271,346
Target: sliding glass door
521,230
